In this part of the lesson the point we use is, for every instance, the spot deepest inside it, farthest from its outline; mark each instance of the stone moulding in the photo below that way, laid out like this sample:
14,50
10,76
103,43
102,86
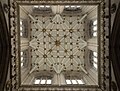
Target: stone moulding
103,65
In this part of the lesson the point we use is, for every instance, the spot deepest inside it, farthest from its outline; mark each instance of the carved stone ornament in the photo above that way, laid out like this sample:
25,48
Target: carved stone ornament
103,64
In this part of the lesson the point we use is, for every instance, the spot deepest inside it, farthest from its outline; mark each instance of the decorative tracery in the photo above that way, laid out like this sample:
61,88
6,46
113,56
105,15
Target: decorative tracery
14,63
58,44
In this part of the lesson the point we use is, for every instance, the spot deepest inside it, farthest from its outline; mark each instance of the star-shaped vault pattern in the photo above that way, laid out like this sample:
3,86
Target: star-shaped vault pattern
57,43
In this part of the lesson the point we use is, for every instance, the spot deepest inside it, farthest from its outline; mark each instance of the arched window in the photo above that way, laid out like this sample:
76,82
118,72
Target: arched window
74,81
41,6
72,7
22,59
95,60
94,28
37,81
68,81
21,27
43,81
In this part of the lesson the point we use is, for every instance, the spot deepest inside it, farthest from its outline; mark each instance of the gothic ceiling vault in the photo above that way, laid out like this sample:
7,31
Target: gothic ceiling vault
57,38
59,45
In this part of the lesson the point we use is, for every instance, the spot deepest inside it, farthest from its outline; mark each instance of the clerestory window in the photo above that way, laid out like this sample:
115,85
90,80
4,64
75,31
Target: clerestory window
42,81
74,81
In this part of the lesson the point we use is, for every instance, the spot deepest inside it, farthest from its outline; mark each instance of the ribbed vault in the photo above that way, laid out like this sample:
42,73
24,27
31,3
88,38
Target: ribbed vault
57,43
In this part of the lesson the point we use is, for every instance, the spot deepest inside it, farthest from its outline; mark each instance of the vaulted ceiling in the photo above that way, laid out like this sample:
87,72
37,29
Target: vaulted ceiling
56,38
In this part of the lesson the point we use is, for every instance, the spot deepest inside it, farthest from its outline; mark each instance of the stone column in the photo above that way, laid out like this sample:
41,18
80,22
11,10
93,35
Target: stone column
24,44
58,79
92,44
89,80
58,9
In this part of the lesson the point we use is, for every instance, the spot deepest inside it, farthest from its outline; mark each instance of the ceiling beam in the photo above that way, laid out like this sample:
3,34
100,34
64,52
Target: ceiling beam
83,69
85,15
